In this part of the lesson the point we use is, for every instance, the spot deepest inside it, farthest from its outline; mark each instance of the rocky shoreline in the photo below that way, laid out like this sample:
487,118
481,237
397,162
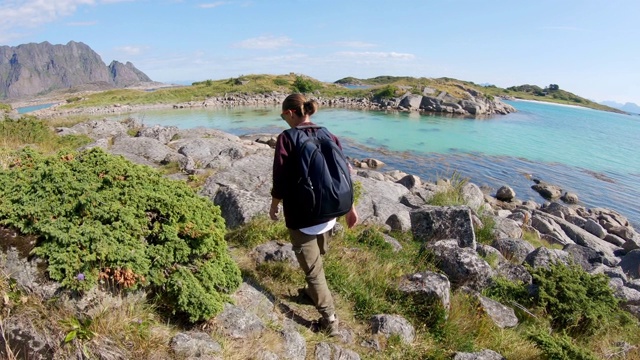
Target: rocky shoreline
474,104
237,178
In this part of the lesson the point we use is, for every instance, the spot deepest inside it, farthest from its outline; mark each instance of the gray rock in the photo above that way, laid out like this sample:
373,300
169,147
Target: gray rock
380,200
547,191
627,295
249,298
570,198
266,355
100,129
410,182
194,344
472,195
389,325
515,250
543,257
164,134
399,222
582,237
147,148
462,266
25,272
514,272
238,323
616,240
613,272
23,337
326,351
411,101
432,223
550,228
505,193
237,206
395,244
295,345
412,201
594,228
482,355
576,220
490,254
274,251
427,287
506,228
502,316
371,174
585,257
630,264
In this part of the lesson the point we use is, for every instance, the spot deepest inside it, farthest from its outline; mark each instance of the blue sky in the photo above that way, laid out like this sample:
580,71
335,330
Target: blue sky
588,47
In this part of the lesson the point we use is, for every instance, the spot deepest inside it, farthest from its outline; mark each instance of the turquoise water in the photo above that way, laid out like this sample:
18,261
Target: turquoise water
589,152
27,109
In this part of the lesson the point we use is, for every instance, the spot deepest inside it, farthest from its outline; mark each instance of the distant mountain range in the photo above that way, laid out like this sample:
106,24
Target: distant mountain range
628,107
35,69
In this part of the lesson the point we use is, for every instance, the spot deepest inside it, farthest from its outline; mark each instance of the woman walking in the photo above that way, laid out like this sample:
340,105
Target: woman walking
309,234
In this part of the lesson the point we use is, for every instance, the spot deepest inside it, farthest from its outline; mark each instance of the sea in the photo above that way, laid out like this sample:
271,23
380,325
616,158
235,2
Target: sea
591,153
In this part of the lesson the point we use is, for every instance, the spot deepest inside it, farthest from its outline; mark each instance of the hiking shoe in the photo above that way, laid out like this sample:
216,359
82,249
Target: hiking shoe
329,327
304,292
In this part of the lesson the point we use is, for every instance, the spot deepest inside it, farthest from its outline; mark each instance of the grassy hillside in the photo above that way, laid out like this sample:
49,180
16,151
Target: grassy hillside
524,92
388,86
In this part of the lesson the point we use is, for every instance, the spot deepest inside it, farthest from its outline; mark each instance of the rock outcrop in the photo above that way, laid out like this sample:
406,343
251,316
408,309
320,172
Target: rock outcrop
34,69
238,180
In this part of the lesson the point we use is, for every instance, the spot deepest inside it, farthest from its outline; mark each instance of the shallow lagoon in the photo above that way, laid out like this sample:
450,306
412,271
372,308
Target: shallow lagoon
589,152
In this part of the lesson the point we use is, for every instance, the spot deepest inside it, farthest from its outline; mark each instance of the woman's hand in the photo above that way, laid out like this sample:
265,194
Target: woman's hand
351,217
274,209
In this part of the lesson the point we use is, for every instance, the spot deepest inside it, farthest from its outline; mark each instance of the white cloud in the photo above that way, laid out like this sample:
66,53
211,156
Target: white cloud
82,23
212,5
264,42
368,55
131,50
18,15
355,44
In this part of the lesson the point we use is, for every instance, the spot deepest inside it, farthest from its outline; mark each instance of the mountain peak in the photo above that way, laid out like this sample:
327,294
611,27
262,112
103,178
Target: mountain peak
35,69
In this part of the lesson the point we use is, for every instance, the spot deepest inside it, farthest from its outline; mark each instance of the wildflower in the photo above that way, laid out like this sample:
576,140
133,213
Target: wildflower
80,277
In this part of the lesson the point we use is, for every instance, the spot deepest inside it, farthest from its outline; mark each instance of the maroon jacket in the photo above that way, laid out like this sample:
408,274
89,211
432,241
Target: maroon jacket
285,172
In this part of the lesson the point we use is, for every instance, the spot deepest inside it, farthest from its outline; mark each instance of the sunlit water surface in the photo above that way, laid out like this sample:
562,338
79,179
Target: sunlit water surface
589,152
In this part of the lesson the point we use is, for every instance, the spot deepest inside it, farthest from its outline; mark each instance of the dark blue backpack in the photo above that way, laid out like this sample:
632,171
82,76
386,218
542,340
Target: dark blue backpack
323,187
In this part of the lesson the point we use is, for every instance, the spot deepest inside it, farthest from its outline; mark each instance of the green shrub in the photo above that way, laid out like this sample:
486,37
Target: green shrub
575,300
102,219
386,92
5,107
507,292
305,85
280,82
559,346
29,130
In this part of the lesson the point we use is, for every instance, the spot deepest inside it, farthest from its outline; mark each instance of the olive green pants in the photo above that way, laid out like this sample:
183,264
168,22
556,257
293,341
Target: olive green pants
309,250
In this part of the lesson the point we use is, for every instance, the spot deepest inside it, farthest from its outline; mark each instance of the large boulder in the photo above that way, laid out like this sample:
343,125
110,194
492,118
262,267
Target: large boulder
462,265
427,287
515,250
433,223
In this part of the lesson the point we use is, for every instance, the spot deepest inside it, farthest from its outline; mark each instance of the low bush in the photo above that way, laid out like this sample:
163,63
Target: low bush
31,131
559,346
572,299
305,85
102,219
